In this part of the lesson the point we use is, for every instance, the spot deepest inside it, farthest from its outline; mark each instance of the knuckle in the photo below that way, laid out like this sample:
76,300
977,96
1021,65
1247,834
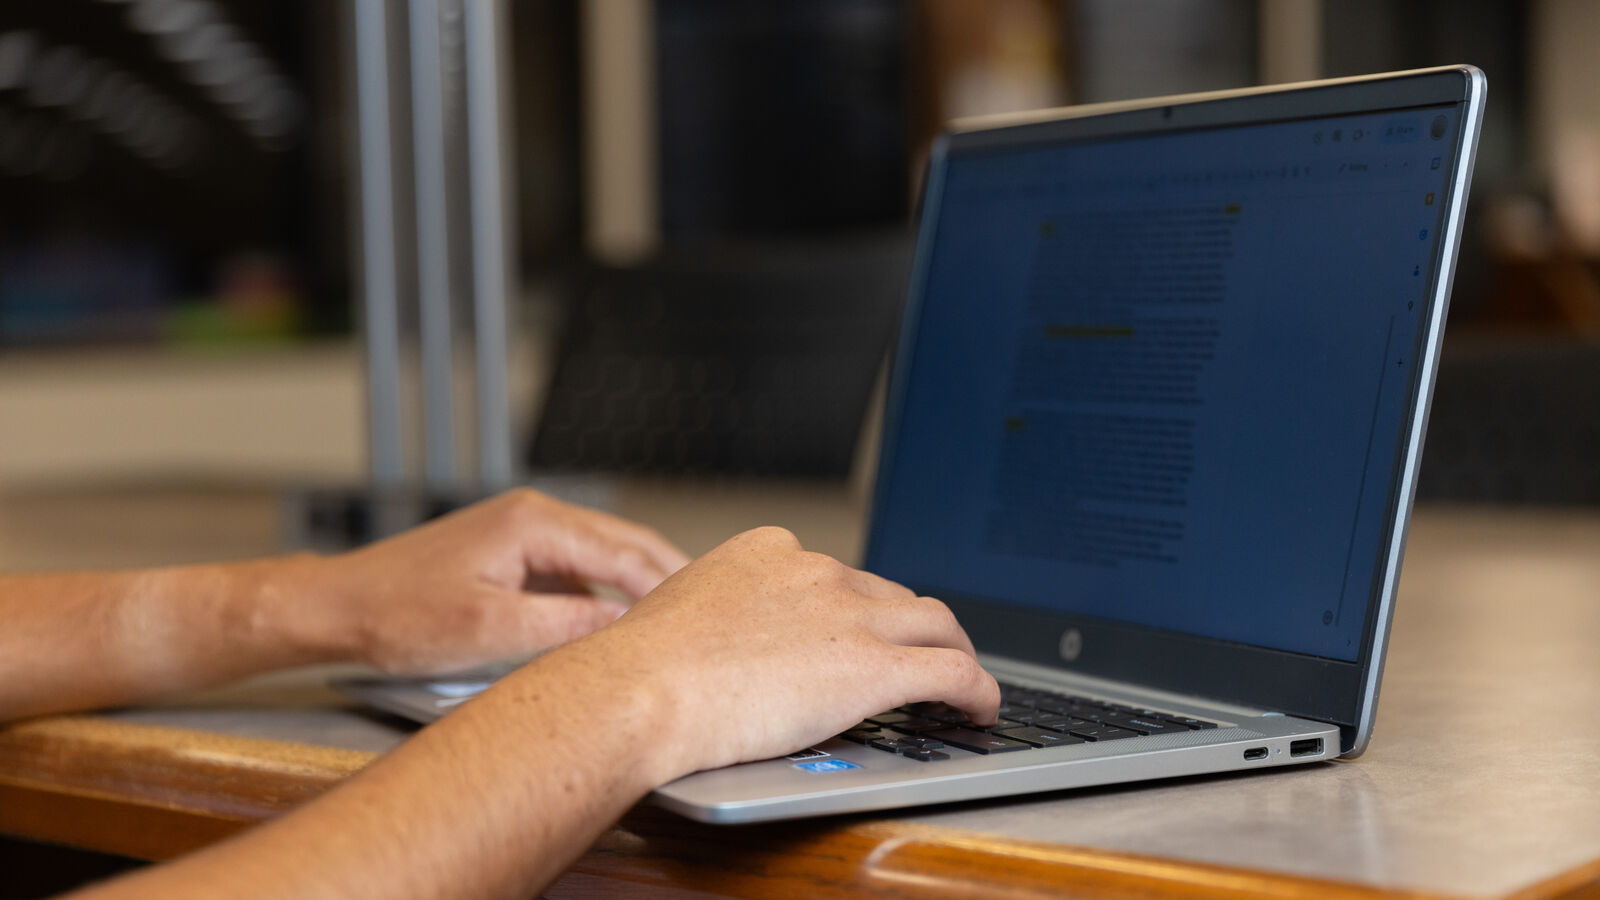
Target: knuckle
957,666
524,494
820,566
525,501
776,535
629,559
508,510
939,611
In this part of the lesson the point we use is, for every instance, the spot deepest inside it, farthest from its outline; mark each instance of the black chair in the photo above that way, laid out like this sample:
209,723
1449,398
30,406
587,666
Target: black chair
1515,423
754,361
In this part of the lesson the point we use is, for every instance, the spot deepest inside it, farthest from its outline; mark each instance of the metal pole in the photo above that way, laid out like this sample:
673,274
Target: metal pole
433,252
485,21
1291,40
385,439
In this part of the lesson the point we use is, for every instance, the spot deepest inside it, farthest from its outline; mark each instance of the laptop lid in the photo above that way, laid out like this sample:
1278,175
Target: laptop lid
1158,403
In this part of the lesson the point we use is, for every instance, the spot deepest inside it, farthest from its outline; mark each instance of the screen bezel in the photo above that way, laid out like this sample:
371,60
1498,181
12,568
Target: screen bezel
1329,690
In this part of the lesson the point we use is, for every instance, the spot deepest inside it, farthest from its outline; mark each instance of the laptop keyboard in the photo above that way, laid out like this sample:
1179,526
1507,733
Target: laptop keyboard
1030,718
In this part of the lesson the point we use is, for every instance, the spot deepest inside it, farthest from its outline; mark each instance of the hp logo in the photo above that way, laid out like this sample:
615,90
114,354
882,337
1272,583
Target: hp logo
1071,644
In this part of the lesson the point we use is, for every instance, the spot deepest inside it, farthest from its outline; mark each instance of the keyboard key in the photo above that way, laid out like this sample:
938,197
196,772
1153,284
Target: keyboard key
991,729
1025,717
1020,696
861,737
924,755
1060,723
897,743
1143,725
1039,737
892,717
918,725
1101,732
1061,707
977,741
939,712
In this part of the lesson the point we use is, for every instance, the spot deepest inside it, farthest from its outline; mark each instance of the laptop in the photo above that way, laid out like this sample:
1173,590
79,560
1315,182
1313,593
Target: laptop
1155,419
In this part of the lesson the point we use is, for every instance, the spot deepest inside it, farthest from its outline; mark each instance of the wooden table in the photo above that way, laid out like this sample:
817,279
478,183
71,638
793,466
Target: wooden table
1483,779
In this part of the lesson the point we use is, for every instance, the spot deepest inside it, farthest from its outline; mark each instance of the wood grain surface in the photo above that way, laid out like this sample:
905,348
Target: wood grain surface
151,792
155,793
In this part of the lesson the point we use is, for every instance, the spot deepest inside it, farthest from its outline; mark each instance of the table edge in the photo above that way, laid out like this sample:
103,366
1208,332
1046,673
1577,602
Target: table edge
156,792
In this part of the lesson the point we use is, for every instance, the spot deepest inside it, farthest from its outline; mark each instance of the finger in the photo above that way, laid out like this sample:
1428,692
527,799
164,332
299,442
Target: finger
539,583
918,622
588,551
663,552
587,545
526,624
950,676
666,556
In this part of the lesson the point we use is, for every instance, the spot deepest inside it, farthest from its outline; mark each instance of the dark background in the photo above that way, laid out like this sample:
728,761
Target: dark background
790,139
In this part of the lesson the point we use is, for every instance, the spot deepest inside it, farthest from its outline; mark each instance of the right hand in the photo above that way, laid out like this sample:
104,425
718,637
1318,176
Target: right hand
764,648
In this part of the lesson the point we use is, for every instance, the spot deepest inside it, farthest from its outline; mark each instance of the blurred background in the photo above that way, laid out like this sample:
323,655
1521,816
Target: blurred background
710,204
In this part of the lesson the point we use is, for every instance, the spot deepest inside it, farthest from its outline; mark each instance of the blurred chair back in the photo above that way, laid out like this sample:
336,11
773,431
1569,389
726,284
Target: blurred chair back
759,361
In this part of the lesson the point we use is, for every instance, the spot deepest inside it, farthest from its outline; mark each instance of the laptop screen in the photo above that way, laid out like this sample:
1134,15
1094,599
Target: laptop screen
1163,379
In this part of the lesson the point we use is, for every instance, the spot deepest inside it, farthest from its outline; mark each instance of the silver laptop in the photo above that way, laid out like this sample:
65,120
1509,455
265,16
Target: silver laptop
1156,416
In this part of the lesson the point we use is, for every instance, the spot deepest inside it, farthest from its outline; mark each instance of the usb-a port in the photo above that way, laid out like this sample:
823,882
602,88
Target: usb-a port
1306,747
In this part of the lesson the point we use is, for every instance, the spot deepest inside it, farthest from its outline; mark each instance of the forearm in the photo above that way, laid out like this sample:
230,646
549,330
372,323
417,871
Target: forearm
451,594
755,649
495,800
80,641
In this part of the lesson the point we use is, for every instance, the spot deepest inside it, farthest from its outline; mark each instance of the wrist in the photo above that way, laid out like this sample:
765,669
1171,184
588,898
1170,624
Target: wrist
606,688
289,606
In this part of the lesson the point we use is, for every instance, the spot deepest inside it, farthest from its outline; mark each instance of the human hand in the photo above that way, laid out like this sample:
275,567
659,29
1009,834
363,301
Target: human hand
760,647
505,577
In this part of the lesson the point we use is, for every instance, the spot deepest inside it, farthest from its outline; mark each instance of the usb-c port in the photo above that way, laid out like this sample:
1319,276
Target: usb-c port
1307,747
1256,753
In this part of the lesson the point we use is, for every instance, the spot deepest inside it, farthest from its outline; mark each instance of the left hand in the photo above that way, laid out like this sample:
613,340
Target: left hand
505,577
